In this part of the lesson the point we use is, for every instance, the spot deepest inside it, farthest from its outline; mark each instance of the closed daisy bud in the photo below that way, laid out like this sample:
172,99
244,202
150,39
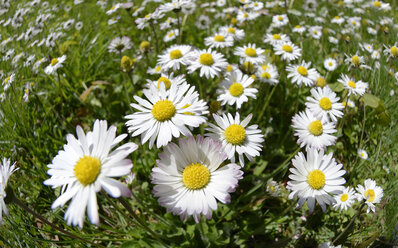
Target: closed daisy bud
145,46
126,63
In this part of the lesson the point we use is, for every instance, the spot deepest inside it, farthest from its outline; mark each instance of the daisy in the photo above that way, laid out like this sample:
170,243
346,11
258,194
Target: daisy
113,9
370,193
120,44
219,40
166,114
330,64
356,88
246,16
312,132
273,188
363,154
235,33
391,52
274,39
55,64
267,73
175,56
85,166
299,29
236,136
302,74
191,176
210,63
315,32
315,178
167,81
5,172
287,50
345,199
155,70
324,104
354,61
250,53
234,89
8,80
280,20
338,20
171,35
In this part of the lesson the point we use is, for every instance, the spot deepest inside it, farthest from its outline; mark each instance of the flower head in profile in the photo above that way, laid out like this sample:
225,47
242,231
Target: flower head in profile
55,64
85,166
191,176
5,172
315,178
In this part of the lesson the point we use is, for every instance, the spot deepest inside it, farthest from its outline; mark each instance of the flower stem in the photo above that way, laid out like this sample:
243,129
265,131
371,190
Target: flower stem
345,231
142,223
266,103
156,37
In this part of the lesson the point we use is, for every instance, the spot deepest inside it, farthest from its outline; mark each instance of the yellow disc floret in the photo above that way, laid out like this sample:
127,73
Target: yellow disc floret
302,70
206,59
394,51
54,61
251,52
195,176
87,170
344,197
355,60
166,81
352,84
219,38
276,37
325,103
377,4
315,128
287,48
175,54
266,75
235,134
231,30
316,179
236,89
370,195
163,110
320,82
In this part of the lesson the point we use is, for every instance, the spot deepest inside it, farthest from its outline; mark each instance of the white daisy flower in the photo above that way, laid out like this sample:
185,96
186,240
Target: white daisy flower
345,199
5,172
354,61
356,88
363,154
175,56
250,53
302,74
166,114
315,32
236,136
155,70
219,40
210,63
234,89
267,73
313,132
55,64
273,188
287,50
315,178
120,44
274,39
189,177
338,20
85,166
113,9
324,104
246,15
391,52
299,29
171,35
235,33
370,193
330,64
280,20
8,80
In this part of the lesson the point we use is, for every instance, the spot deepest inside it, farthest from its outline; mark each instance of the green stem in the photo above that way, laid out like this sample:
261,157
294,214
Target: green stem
156,37
266,103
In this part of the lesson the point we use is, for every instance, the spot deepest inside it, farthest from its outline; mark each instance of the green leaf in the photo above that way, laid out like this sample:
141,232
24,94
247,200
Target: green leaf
371,100
336,87
129,244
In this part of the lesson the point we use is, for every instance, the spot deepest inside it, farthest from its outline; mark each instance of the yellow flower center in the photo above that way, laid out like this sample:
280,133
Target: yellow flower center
206,59
147,16
298,26
315,32
171,34
166,81
287,48
394,51
54,61
264,67
344,197
330,63
196,176
370,195
219,38
302,70
316,128
7,79
325,103
231,30
163,110
320,82
353,22
337,17
158,68
250,52
87,170
175,54
276,37
316,179
362,154
235,134
352,84
280,18
266,75
229,68
236,89
355,60
245,15
377,4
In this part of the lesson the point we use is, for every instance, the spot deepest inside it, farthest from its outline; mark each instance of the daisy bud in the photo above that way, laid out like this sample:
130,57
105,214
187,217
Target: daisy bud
126,63
145,46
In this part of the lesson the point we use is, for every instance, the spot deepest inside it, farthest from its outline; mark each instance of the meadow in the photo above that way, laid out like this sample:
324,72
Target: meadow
183,123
